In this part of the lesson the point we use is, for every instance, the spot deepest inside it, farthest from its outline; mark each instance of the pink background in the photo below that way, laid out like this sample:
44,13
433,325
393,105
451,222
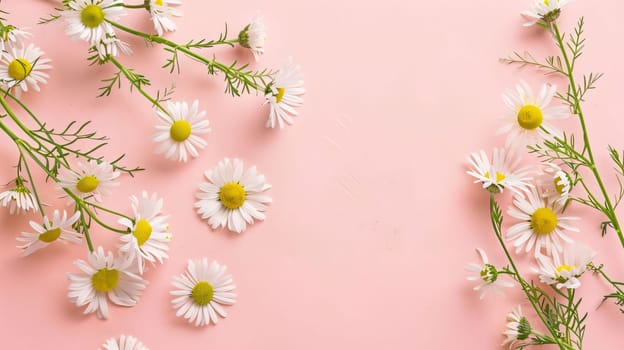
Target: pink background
373,218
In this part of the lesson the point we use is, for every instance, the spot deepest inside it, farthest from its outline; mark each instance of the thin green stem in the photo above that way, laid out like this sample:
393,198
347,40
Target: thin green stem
87,236
30,178
91,204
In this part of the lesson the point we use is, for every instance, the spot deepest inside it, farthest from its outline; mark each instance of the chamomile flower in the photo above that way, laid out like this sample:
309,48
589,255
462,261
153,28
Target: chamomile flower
253,37
162,14
555,184
124,343
88,19
544,10
487,275
19,200
111,46
89,180
57,229
232,197
23,68
528,118
565,271
283,95
148,236
12,37
518,328
542,224
502,172
180,134
201,291
102,277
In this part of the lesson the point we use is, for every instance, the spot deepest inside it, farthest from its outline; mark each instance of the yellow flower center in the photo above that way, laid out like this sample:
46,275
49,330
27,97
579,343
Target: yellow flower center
87,184
232,195
105,280
499,177
543,221
564,267
202,293
180,130
280,95
50,235
546,2
92,16
530,117
160,2
142,232
559,184
19,68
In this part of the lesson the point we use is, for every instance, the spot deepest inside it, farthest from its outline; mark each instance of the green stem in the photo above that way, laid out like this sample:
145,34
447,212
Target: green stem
614,284
30,178
91,204
87,236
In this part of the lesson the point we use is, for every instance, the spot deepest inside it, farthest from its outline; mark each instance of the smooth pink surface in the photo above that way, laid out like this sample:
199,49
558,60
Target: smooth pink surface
373,217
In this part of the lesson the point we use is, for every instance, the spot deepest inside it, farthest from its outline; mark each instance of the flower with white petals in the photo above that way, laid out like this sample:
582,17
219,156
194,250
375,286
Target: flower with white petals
518,328
57,229
19,200
23,68
233,197
253,37
565,271
488,276
542,224
12,37
283,95
111,46
555,184
89,180
148,236
544,10
102,277
88,19
124,343
201,291
162,14
502,172
528,118
180,134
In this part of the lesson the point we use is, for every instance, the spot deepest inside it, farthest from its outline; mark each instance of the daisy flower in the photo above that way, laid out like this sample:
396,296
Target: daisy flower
253,37
111,46
502,172
148,236
162,14
528,117
19,200
87,19
488,277
283,95
555,184
518,327
565,271
90,179
232,197
544,10
59,228
23,68
104,276
179,135
542,224
124,343
12,37
201,291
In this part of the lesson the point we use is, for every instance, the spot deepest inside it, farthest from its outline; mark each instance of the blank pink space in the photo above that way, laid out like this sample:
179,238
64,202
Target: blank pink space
373,217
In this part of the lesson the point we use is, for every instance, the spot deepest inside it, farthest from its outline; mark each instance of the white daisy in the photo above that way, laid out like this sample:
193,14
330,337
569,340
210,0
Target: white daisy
283,95
59,228
488,277
23,67
12,37
124,343
253,37
544,10
201,291
89,180
148,237
542,224
555,184
179,135
103,275
502,172
162,14
232,197
87,19
19,200
518,327
565,272
111,46
528,117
